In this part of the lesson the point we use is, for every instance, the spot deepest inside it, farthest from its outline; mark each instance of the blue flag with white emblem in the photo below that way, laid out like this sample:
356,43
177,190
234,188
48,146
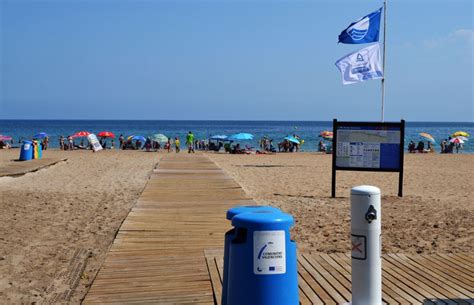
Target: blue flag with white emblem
364,30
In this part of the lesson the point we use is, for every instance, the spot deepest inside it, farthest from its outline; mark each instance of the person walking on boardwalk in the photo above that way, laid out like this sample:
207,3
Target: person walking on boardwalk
176,144
190,142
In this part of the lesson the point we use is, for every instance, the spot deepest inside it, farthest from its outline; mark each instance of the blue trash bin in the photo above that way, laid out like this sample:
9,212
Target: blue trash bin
26,151
230,234
262,260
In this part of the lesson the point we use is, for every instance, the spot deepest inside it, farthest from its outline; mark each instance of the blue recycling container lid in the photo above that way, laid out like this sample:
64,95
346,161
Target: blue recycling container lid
263,220
249,208
27,142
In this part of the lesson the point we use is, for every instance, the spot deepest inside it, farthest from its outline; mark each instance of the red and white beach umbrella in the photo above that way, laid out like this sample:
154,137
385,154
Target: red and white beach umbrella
456,141
81,134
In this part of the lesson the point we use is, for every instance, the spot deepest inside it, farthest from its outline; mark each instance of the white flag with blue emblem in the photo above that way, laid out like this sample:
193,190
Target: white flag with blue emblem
364,30
361,65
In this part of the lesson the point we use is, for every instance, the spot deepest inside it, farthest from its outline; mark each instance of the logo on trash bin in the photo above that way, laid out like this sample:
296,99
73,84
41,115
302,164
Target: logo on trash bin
269,252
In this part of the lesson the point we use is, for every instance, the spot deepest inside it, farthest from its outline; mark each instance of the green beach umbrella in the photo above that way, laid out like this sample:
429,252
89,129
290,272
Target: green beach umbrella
159,137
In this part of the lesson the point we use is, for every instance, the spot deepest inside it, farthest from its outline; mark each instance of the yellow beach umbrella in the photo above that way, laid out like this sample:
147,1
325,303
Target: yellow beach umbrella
460,134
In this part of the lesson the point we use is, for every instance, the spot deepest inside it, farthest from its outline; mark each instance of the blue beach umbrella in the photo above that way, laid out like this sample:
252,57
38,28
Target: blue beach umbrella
40,135
241,136
292,139
140,138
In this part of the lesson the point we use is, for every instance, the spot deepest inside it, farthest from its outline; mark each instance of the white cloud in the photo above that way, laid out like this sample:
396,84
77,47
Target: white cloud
464,34
460,35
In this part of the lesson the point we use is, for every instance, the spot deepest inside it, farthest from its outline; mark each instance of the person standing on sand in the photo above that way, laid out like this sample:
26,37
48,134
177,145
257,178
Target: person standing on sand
70,143
45,143
176,144
61,142
121,138
190,142
443,146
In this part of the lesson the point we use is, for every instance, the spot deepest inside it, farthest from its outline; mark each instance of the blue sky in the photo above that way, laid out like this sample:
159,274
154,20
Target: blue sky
239,60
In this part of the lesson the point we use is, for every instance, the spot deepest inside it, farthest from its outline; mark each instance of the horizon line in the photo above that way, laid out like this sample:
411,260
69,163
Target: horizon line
229,120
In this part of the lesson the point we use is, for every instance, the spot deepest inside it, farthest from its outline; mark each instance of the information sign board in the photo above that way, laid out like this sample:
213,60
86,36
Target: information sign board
368,146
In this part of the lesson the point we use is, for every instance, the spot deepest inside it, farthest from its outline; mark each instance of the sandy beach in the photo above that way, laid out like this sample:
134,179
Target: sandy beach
62,218
60,221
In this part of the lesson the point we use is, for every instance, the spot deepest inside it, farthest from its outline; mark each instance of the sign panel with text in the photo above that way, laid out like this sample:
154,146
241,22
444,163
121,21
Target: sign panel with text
368,146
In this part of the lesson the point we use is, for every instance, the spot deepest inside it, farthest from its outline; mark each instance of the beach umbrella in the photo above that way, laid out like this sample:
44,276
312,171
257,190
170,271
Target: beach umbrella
292,139
456,140
106,134
241,136
40,135
463,138
218,137
326,135
159,137
460,133
5,138
139,138
81,134
427,137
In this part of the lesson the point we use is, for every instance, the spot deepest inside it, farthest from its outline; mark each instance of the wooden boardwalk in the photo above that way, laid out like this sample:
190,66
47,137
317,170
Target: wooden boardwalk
159,255
18,168
407,279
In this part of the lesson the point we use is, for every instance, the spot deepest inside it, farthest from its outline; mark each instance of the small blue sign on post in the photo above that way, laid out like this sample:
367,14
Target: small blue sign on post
262,262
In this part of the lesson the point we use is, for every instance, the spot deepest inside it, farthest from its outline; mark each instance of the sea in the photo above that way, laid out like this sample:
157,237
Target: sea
276,130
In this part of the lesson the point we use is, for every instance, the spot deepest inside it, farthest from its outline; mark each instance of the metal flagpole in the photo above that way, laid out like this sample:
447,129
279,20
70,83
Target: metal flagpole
383,62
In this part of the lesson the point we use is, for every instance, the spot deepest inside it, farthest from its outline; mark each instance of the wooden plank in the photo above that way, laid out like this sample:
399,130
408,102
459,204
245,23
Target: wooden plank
342,294
158,254
460,261
464,270
215,279
306,290
17,168
311,289
445,278
425,276
415,281
445,268
403,282
387,292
